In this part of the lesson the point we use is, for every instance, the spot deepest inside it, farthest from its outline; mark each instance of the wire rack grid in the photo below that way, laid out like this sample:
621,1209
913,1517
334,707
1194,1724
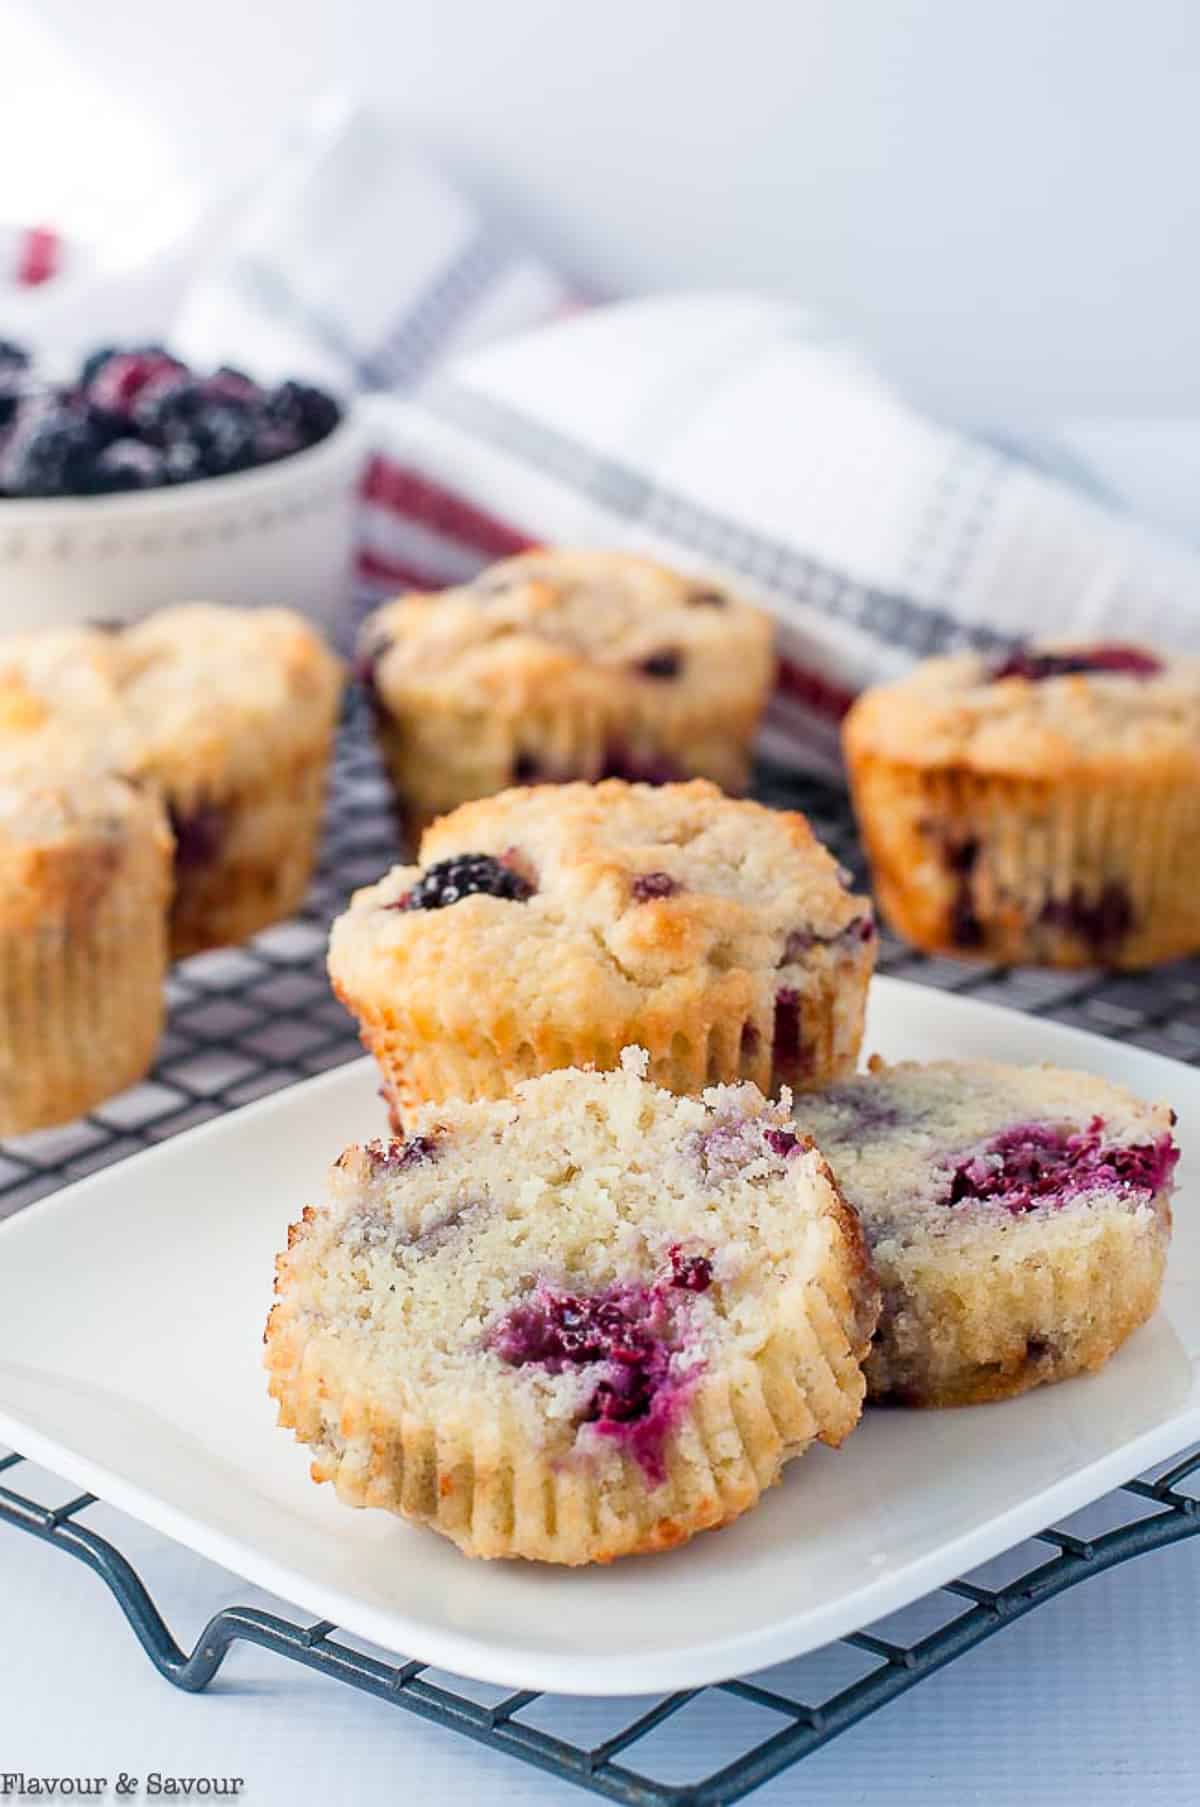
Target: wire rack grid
246,1021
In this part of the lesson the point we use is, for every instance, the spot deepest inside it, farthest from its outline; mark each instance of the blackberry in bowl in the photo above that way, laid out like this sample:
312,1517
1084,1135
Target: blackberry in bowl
142,479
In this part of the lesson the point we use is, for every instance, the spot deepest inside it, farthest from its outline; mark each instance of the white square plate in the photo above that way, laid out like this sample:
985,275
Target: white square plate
131,1316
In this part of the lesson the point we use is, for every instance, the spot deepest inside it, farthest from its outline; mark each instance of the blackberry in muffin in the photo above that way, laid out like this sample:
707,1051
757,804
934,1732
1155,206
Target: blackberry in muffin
555,925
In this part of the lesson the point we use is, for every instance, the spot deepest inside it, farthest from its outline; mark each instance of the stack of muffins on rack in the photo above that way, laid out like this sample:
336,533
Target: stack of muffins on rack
639,1237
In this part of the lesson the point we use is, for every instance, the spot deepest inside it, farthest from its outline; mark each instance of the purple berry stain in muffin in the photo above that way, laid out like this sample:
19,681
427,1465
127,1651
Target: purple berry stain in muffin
792,1059
693,1272
800,941
465,875
399,1155
1101,922
199,836
650,885
1043,1164
632,1334
867,1108
733,1143
1115,659
961,859
635,767
783,1142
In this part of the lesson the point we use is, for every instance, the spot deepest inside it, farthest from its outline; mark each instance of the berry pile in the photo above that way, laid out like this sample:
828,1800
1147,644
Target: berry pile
140,419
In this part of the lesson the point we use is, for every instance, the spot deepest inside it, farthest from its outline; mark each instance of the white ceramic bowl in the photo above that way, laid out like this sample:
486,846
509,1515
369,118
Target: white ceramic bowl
280,534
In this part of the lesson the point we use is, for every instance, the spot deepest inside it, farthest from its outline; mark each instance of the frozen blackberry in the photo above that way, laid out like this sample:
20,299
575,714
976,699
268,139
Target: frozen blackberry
466,875
305,408
95,361
13,377
172,424
49,453
167,404
126,464
223,433
123,376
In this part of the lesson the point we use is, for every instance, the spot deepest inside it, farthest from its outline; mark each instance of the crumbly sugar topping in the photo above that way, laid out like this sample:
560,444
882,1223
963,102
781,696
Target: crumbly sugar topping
624,885
1085,704
187,697
548,613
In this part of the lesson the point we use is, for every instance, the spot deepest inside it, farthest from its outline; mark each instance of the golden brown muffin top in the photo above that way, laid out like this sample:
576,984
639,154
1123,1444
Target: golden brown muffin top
586,619
1040,712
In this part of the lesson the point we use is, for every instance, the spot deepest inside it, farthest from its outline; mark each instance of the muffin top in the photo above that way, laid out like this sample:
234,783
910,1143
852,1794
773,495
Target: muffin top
588,619
1036,712
218,696
939,1149
586,895
64,839
575,1258
195,697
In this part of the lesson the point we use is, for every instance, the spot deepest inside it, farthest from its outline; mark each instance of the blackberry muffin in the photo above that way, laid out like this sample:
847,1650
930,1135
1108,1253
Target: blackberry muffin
1018,1219
234,712
553,926
1043,806
85,879
561,665
585,1323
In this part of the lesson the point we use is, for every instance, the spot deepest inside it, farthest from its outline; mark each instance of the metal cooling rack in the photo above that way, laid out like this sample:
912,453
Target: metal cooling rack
247,1021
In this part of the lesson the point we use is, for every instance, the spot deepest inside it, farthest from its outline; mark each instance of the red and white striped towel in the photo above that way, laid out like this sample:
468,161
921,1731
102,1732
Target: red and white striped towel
726,433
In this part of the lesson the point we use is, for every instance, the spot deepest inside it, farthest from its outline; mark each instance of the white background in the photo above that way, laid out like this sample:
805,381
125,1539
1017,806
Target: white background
1002,198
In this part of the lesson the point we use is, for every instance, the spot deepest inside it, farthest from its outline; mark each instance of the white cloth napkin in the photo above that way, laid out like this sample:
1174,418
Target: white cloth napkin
728,433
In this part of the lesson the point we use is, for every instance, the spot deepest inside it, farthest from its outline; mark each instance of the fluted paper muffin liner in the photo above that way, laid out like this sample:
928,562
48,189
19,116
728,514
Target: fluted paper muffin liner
963,1335
1062,872
423,1055
81,988
438,756
245,856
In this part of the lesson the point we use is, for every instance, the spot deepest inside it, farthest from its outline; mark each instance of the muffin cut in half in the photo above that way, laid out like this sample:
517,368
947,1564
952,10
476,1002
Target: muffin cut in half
1041,806
559,665
1018,1218
582,1323
554,926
